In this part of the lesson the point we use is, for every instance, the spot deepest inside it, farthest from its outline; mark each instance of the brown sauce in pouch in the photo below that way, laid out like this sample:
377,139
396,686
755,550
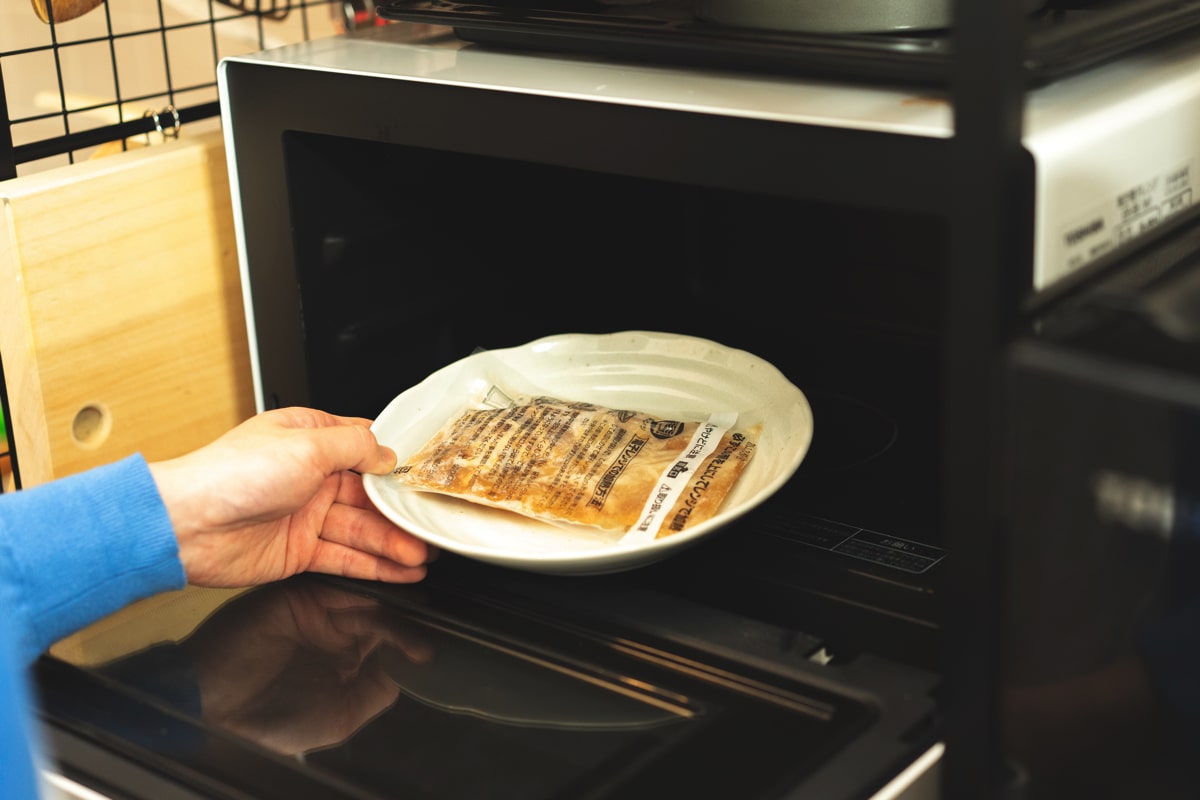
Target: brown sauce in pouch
575,462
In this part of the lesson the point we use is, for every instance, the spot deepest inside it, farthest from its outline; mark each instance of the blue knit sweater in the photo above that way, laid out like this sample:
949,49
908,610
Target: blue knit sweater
71,552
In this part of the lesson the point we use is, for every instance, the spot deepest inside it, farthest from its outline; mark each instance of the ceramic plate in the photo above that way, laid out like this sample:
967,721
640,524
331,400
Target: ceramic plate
670,375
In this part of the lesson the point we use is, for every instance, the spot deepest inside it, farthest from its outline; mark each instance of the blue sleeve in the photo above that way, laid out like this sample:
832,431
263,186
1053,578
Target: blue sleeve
79,548
17,736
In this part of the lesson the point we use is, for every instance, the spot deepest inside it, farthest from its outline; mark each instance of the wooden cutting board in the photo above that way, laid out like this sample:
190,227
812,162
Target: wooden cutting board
121,320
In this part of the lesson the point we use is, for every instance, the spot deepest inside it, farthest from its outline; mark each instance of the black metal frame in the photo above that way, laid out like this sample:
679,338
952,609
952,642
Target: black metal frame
8,158
11,155
8,169
989,224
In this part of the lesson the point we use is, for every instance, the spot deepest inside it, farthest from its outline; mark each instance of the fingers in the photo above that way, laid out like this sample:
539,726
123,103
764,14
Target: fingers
303,417
380,461
332,558
352,492
356,522
352,446
353,495
365,530
341,443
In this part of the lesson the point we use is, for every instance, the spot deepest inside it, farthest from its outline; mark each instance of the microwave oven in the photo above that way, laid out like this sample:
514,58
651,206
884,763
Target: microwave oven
404,198
426,219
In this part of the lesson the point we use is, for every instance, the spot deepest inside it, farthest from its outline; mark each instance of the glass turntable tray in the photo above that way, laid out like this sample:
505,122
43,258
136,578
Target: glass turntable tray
1065,36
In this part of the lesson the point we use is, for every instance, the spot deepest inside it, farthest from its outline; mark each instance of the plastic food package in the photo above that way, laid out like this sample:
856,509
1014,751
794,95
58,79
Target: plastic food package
571,462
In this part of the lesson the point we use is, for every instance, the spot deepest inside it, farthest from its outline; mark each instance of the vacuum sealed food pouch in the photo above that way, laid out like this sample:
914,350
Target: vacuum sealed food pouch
581,463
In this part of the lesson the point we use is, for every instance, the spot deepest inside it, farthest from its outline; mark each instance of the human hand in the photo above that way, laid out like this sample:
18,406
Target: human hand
279,495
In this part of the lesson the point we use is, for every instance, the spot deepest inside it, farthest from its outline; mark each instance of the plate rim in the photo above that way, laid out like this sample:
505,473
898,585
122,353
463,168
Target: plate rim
608,558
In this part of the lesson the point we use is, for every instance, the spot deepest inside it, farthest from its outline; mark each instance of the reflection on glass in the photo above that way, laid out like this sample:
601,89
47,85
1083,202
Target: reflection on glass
1102,694
365,690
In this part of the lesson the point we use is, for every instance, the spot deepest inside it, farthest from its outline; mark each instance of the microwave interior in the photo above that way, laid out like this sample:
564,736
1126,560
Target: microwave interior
401,226
410,258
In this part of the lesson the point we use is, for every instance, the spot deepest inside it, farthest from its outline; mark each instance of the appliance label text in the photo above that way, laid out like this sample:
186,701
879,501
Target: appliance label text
1130,213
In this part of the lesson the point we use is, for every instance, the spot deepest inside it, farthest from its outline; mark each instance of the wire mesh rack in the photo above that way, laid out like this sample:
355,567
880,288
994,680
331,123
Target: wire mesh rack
80,76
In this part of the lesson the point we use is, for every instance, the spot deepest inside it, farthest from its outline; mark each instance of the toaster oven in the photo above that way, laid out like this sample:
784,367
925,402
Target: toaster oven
405,199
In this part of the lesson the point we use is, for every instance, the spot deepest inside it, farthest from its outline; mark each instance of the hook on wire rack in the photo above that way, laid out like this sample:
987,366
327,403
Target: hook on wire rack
173,132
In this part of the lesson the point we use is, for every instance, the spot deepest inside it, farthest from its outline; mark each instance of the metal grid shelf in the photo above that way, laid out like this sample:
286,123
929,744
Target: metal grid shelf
82,78
114,69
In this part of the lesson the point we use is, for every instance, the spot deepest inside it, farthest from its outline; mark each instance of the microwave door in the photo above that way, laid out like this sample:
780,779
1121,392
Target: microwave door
479,683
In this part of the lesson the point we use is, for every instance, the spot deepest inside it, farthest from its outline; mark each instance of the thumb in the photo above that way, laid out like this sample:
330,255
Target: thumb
353,447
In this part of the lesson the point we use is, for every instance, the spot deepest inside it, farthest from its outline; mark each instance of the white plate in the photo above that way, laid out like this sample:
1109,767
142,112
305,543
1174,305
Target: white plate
667,374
